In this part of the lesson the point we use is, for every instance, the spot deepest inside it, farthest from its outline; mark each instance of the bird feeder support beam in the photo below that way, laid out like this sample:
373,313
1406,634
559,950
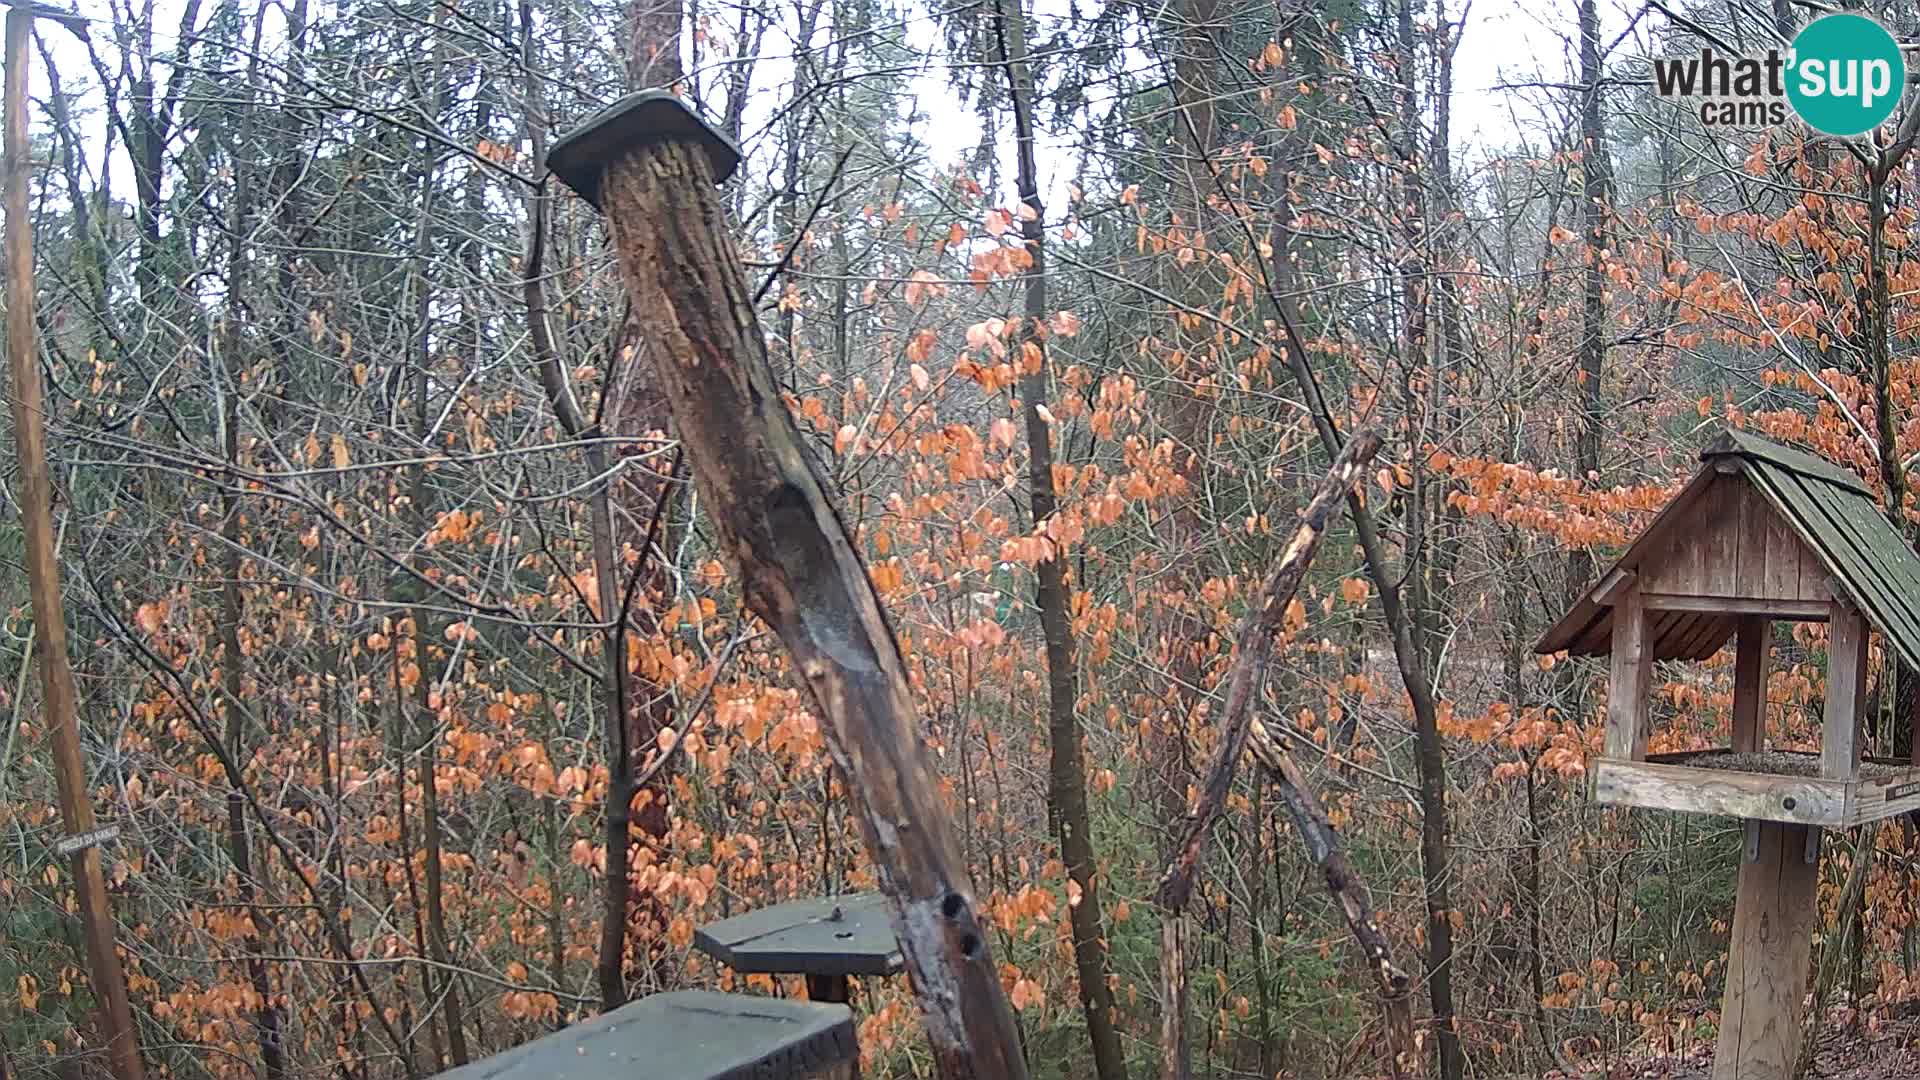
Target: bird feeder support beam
650,165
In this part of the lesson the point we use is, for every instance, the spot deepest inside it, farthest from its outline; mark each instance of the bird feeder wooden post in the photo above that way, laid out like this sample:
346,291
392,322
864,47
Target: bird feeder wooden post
1762,533
651,166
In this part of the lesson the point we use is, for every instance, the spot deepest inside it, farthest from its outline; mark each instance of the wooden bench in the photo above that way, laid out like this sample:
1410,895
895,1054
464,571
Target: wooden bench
688,1035
827,940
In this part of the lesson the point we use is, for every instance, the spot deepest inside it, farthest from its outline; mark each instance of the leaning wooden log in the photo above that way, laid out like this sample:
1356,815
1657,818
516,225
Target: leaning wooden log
1252,650
1324,848
651,165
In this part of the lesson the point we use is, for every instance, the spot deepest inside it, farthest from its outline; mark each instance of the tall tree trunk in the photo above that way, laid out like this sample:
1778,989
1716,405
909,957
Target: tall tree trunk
148,133
1596,204
1067,772
1442,410
614,690
1166,748
802,120
610,964
1421,618
232,378
633,405
627,726
425,739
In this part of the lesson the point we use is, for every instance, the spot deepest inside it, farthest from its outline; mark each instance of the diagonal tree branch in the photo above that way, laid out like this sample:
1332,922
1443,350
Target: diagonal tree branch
1252,651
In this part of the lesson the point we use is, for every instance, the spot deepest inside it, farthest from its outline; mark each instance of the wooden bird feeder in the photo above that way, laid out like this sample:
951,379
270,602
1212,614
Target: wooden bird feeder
687,1035
828,940
1761,533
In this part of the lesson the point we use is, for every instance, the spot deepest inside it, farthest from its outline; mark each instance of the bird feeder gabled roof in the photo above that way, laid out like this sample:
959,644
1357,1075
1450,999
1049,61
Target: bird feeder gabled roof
1835,530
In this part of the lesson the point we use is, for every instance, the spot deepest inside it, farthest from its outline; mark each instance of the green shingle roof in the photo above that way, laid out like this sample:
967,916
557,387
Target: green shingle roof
1831,510
1834,513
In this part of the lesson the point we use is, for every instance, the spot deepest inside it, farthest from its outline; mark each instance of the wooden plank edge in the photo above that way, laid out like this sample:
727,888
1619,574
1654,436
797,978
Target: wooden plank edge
1873,801
1690,789
1796,610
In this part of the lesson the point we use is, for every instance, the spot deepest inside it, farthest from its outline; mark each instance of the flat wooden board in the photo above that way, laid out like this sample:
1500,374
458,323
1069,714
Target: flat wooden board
1877,800
1800,800
688,1035
837,935
1678,782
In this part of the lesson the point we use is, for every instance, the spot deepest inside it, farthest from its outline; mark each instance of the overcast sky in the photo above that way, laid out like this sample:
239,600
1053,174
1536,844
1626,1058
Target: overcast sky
1506,44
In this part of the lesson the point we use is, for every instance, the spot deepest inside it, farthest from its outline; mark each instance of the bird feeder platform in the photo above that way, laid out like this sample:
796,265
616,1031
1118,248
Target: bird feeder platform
1762,533
1769,785
687,1035
827,940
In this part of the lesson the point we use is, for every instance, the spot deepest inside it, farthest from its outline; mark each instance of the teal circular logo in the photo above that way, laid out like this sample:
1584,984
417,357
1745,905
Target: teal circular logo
1845,74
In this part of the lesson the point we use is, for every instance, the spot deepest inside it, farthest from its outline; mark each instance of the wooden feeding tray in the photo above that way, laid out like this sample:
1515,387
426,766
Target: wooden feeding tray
1767,785
688,1035
827,940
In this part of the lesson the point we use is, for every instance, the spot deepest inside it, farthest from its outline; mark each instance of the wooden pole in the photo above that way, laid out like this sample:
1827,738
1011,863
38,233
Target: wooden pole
1767,958
43,569
652,166
1750,683
829,988
1771,946
1846,692
1627,690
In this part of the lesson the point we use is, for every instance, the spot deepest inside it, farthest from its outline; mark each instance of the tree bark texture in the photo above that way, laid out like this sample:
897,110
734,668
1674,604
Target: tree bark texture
653,43
799,572
1596,201
637,707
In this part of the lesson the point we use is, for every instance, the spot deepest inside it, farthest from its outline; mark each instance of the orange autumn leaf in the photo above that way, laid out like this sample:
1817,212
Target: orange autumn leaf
150,617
